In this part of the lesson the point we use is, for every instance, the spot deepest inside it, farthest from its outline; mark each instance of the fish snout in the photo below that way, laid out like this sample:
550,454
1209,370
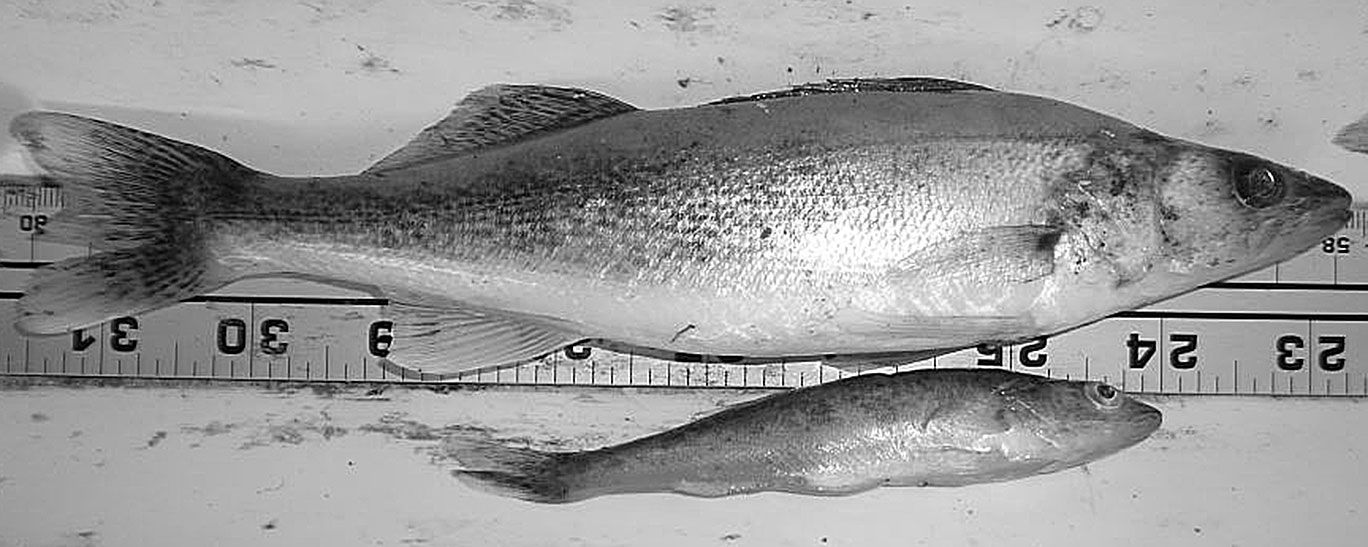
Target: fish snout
1144,420
1324,200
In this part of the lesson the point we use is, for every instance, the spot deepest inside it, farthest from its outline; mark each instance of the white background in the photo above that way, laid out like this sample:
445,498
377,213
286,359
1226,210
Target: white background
318,87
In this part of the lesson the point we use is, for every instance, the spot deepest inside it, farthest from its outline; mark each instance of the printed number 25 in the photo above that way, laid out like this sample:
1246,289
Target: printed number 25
1031,354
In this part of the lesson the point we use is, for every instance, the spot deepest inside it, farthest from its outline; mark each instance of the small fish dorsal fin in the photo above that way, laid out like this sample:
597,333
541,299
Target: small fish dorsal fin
860,85
502,114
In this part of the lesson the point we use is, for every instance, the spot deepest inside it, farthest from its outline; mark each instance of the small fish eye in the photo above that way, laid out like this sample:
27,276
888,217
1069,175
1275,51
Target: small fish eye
1104,395
1258,187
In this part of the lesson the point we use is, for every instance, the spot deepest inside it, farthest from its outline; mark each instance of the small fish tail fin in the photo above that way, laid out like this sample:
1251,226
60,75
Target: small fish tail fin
522,473
140,200
1353,137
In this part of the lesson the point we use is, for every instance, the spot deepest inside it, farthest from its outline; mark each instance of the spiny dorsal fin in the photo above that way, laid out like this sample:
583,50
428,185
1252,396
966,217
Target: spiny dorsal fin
862,85
502,114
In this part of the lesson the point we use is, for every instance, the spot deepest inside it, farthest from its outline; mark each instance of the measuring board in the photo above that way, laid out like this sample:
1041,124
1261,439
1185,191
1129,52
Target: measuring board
1296,328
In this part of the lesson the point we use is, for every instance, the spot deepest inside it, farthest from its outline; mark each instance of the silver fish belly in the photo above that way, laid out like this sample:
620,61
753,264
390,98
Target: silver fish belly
855,218
921,428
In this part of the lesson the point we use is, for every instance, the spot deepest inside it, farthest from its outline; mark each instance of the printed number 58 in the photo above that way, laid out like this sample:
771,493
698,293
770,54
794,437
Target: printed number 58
1335,245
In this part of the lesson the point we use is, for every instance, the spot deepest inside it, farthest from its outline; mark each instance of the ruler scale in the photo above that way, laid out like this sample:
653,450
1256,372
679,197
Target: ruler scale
1297,328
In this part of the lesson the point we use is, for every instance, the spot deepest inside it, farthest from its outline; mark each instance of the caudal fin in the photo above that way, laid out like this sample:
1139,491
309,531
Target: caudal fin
1354,137
137,198
521,473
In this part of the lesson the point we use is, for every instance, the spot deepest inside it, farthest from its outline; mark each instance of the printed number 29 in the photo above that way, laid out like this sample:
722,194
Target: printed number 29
1289,346
1180,356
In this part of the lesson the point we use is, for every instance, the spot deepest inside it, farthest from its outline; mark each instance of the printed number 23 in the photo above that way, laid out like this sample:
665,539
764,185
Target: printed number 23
1289,346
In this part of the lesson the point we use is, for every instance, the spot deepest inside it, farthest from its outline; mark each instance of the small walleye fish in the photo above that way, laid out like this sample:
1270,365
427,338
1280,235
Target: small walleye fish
929,427
896,217
1354,137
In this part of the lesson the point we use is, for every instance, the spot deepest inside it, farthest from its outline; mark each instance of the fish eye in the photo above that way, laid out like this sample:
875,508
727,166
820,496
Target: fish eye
1257,186
1103,395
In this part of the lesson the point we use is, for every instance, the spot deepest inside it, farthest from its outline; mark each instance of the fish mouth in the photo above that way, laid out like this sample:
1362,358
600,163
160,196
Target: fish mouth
1327,203
1320,209
1145,422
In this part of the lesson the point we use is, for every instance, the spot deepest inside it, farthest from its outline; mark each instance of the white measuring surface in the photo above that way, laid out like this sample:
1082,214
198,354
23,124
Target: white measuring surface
1298,328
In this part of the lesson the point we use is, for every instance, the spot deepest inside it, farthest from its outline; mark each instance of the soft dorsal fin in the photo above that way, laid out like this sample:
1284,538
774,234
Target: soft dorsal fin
859,85
502,114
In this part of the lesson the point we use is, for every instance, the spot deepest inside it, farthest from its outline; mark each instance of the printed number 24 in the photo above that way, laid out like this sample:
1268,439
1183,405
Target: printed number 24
1183,344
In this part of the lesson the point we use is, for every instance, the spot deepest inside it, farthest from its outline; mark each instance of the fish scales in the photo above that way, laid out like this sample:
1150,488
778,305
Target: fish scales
768,224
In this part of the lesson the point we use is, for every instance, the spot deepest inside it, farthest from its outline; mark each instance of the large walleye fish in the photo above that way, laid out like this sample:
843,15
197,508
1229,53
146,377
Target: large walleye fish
852,217
929,427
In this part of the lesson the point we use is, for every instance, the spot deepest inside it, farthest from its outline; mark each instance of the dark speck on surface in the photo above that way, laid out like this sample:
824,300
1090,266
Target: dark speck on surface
270,525
1082,20
39,417
731,537
686,18
374,63
156,439
250,63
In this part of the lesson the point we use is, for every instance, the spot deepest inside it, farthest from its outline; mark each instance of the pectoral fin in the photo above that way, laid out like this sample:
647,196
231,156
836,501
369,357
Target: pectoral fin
1016,254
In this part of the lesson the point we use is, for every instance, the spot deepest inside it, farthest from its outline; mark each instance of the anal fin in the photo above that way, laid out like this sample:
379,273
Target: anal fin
439,339
857,363
937,331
